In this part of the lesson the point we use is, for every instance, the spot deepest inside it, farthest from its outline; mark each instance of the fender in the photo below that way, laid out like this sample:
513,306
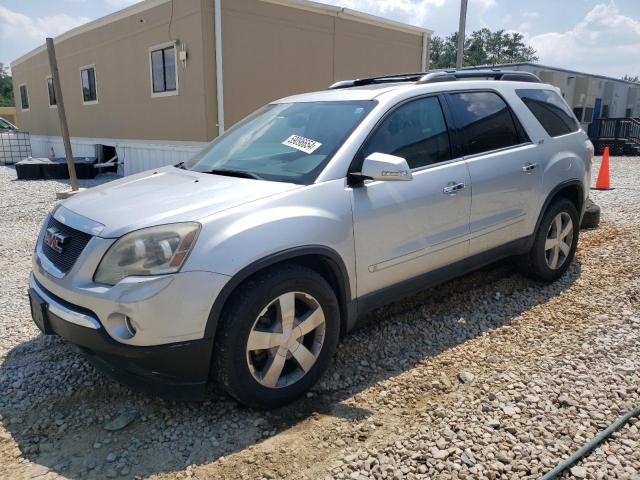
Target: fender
554,192
333,259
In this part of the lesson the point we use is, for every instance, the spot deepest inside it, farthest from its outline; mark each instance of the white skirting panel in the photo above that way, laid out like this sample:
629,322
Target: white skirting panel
40,147
137,155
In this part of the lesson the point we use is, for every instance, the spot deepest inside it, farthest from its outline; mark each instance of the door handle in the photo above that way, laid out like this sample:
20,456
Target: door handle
528,167
453,188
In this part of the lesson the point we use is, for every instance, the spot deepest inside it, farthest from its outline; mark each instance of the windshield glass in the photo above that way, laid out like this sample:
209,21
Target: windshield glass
285,142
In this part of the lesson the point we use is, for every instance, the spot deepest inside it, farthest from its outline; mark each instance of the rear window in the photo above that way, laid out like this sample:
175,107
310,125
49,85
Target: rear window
551,111
485,120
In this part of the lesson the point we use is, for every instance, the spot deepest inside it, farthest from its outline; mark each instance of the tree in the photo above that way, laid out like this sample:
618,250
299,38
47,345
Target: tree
482,47
6,89
629,78
443,51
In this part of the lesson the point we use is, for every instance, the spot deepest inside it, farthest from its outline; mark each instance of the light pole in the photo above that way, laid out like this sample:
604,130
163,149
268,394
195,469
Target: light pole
461,28
62,115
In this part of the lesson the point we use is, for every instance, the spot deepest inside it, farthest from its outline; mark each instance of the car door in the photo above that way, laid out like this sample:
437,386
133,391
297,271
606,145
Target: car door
502,165
404,229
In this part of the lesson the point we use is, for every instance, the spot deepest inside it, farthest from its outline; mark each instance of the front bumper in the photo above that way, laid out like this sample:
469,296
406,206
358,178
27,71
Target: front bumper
147,331
176,370
163,309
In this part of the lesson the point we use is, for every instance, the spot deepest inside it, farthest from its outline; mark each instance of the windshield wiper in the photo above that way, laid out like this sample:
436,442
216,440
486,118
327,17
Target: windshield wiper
235,173
180,165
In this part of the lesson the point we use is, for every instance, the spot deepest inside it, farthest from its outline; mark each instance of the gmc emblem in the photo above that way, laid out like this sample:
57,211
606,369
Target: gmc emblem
54,239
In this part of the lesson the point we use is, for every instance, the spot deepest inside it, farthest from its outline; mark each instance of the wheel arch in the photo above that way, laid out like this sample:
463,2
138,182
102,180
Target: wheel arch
324,260
572,190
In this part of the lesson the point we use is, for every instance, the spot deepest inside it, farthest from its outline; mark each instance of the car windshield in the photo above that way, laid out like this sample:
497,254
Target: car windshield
284,142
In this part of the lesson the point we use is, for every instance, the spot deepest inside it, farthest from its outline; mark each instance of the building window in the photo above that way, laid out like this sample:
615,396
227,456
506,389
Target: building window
88,78
577,111
164,77
588,115
52,92
24,97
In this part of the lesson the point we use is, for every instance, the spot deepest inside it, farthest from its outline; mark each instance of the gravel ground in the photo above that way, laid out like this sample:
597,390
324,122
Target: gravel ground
488,376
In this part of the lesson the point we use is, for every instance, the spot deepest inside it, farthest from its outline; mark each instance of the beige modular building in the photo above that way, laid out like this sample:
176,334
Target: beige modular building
590,96
158,80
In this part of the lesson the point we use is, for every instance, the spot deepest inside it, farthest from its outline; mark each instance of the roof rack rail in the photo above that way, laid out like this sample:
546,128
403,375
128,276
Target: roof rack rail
494,74
398,77
444,76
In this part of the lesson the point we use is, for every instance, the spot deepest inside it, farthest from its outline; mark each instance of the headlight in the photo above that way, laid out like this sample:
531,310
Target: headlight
150,251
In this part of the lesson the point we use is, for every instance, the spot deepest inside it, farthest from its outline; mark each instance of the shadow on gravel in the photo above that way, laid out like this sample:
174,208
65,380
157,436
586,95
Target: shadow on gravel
55,405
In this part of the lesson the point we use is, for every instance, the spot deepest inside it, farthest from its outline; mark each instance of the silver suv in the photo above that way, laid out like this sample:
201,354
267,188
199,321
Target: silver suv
249,262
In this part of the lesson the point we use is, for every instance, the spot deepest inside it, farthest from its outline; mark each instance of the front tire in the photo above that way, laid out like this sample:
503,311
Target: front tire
555,242
277,335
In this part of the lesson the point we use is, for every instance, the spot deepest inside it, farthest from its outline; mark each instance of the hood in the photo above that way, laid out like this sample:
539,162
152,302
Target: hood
167,195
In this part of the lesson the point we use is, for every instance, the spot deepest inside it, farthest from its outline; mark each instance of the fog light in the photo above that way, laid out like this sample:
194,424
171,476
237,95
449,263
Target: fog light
120,326
130,328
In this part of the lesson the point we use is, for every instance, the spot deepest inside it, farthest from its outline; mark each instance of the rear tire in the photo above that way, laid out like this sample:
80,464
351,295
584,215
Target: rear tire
265,354
555,243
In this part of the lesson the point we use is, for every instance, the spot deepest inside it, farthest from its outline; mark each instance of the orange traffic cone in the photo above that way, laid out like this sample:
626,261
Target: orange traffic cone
603,182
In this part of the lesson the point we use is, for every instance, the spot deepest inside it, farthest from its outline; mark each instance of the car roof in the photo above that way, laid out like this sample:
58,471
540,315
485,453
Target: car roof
373,91
367,92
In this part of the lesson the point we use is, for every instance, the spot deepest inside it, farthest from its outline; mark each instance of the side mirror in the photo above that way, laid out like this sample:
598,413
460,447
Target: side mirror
385,168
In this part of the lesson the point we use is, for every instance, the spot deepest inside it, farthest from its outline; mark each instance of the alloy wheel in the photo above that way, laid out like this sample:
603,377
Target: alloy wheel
559,240
286,339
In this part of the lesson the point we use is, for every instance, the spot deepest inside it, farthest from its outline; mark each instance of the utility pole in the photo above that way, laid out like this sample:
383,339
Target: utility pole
53,64
461,28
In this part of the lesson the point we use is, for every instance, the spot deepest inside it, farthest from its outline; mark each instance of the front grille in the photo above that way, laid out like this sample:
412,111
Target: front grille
73,246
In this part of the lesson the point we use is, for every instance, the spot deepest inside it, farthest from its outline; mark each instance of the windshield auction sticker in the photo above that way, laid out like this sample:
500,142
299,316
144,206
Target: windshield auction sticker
303,144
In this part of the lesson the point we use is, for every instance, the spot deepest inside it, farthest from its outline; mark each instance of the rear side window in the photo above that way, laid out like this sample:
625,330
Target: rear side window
485,120
415,131
550,110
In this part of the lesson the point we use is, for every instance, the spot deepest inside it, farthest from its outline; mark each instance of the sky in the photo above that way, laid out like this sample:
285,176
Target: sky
595,36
